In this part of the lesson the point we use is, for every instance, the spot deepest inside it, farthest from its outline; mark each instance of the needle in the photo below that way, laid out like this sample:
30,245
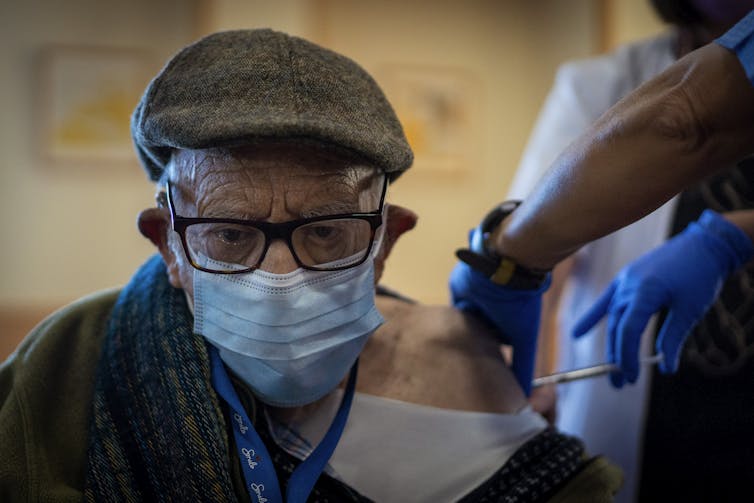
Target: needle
586,372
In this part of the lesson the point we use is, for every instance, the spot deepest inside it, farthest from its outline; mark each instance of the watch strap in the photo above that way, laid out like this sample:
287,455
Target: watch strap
499,269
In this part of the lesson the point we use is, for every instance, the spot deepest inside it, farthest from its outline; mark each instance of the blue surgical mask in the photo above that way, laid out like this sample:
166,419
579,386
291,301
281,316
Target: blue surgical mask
290,337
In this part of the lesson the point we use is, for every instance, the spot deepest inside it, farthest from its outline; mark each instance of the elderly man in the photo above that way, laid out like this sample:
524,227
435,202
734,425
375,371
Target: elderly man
226,370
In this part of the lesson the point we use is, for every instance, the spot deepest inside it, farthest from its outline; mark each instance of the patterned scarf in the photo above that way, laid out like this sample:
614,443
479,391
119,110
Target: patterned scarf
157,432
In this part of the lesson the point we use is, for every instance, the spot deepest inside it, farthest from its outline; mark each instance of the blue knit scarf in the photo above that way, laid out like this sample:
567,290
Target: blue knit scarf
157,431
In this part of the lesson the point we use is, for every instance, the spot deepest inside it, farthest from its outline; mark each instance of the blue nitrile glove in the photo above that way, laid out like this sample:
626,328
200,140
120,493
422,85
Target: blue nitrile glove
514,313
684,276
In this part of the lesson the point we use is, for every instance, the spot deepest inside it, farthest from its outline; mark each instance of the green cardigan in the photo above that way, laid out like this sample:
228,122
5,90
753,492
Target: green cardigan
46,389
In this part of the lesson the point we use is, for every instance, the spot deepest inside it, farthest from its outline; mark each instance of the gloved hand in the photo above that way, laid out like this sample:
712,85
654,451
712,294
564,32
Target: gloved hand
514,313
684,275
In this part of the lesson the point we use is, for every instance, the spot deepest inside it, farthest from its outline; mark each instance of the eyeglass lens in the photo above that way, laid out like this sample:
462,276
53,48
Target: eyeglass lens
321,244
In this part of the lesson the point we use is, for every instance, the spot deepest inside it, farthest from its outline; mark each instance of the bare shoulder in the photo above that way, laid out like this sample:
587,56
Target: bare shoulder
437,356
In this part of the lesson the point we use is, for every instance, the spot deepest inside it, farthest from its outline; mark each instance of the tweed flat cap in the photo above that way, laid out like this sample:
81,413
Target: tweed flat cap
237,87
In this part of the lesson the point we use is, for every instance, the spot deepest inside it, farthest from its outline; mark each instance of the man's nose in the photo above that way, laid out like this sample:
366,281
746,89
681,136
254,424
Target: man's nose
279,259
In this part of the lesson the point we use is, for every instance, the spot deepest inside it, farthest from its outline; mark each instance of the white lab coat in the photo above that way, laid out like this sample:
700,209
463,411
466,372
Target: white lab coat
610,421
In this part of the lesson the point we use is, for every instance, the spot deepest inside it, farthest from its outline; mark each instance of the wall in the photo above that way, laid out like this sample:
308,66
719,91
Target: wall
68,230
627,20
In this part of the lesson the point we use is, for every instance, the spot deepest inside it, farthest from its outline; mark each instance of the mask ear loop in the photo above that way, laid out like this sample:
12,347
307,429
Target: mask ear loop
379,234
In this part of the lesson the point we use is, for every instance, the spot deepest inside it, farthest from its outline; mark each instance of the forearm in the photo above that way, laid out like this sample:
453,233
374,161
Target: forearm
693,118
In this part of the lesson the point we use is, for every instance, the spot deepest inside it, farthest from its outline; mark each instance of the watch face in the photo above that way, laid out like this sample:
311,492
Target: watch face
509,206
495,216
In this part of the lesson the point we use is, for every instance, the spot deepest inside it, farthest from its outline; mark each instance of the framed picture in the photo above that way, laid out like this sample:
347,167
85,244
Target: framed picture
87,97
438,108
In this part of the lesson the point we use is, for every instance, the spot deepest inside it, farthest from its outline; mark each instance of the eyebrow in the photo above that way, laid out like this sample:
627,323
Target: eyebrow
335,208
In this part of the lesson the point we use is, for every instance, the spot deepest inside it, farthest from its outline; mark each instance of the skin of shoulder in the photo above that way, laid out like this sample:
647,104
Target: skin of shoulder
437,356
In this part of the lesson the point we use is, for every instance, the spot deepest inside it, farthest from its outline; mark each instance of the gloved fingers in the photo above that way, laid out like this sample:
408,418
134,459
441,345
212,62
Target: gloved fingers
632,324
617,379
614,317
458,281
670,340
612,344
595,313
522,364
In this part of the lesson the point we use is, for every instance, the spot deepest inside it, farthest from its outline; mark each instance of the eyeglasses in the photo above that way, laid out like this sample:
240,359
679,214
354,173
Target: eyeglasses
234,246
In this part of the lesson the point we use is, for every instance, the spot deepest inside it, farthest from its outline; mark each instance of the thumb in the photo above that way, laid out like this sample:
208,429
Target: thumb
628,338
595,313
670,341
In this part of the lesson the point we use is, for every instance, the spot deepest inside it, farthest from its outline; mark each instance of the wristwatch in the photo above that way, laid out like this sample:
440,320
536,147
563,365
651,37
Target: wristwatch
499,269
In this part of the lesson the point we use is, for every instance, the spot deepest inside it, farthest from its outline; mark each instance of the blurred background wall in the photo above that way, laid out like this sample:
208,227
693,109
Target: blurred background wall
467,79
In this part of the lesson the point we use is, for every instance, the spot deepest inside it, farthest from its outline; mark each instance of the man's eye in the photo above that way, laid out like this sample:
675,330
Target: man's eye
323,231
230,235
235,236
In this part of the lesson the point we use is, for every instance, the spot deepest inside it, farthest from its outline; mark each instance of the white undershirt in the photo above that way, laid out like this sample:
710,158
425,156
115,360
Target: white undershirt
398,451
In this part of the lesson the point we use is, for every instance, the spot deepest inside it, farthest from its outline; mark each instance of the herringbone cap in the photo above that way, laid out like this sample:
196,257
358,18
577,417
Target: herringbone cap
238,87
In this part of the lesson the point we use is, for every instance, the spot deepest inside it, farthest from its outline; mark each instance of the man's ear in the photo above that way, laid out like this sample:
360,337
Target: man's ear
154,224
397,221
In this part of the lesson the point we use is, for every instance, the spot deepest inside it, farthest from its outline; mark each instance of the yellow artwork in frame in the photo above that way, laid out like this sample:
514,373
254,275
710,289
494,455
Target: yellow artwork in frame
88,96
438,108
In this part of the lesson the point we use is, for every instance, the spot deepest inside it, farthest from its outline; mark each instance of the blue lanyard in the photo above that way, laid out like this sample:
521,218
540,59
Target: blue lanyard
258,470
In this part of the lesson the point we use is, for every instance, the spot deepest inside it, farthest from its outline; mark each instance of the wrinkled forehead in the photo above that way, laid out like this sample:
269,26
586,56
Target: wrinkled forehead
307,179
